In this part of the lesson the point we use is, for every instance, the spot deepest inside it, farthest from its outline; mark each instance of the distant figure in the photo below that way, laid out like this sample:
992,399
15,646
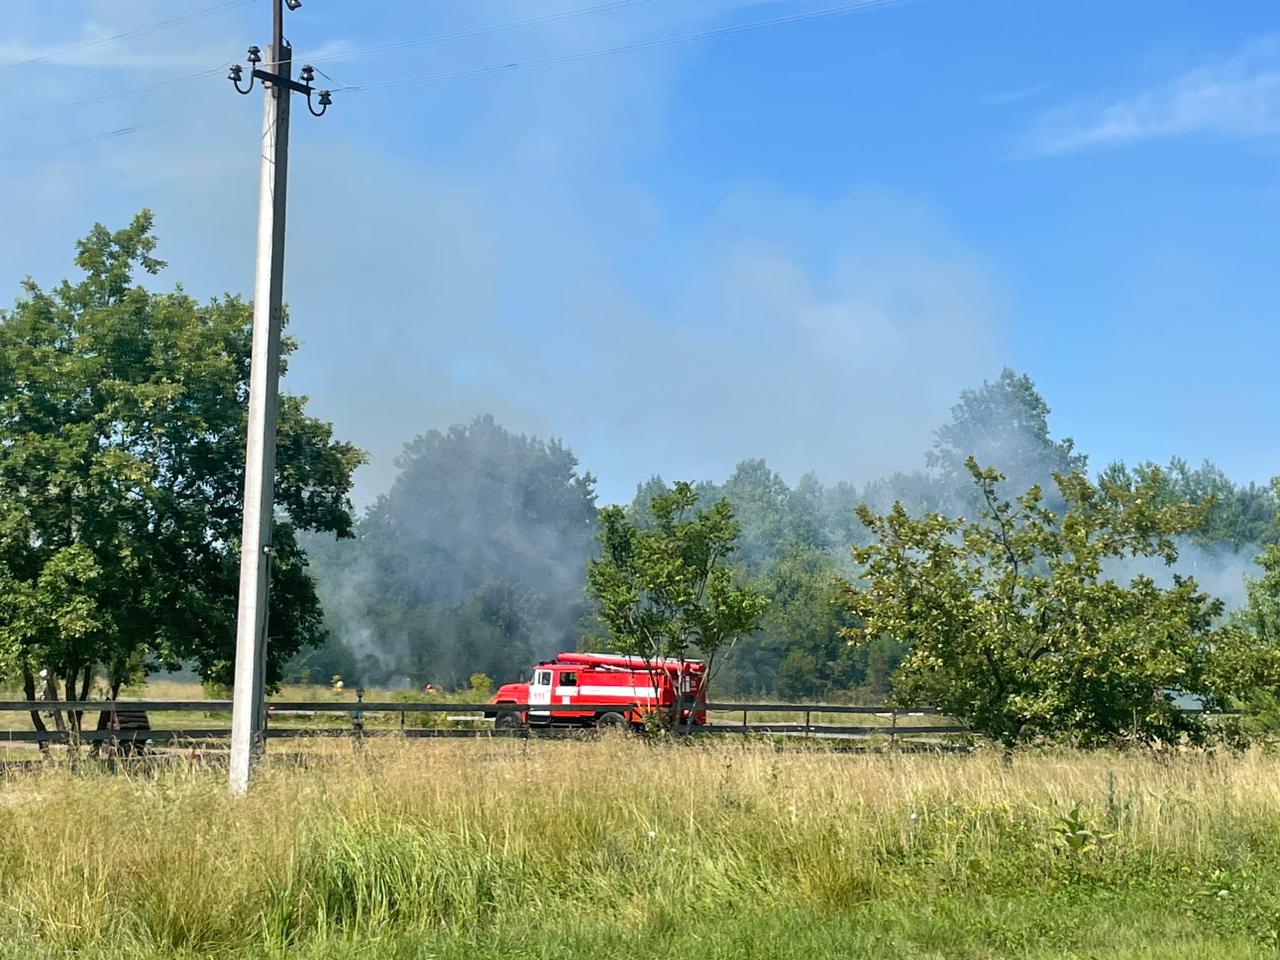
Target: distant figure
429,688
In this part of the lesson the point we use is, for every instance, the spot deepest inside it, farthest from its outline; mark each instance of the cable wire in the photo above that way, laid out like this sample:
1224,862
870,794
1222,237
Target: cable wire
322,58
656,42
598,53
119,132
114,95
128,34
336,83
480,31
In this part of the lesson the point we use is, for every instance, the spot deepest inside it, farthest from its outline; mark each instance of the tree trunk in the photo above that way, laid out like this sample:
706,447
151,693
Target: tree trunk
104,723
73,716
104,716
29,694
85,685
51,692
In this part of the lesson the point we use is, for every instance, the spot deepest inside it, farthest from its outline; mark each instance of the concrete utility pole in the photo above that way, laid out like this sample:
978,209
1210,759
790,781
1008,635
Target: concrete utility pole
248,714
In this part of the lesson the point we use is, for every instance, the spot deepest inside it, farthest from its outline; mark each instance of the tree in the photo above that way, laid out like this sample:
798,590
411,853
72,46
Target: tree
1013,625
1261,617
122,432
664,590
774,520
639,510
473,561
1005,422
777,524
1236,516
808,625
1262,614
9,646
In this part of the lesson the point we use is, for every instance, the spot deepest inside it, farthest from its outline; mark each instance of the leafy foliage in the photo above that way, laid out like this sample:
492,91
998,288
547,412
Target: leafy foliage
1235,515
1014,625
775,521
805,616
1077,833
122,431
473,562
1007,423
1261,617
665,589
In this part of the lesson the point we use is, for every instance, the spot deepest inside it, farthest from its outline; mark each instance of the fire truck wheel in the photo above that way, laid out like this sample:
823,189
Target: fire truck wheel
507,720
612,721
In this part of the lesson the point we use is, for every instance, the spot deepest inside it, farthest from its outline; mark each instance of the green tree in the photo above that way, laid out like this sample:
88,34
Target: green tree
473,561
1262,614
639,509
809,624
1013,625
664,589
1005,422
1261,617
777,524
775,521
1237,516
122,430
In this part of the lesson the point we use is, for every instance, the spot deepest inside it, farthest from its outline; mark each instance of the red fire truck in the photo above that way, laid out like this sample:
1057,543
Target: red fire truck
614,690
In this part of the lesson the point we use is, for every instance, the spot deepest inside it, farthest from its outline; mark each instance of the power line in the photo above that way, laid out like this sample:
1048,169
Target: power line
128,34
473,31
626,47
118,132
843,8
114,95
337,84
322,58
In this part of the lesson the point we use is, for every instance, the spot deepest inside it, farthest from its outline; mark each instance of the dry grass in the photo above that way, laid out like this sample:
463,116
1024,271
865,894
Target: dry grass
427,841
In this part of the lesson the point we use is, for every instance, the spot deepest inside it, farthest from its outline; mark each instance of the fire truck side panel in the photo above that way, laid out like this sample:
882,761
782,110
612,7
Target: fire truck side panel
604,680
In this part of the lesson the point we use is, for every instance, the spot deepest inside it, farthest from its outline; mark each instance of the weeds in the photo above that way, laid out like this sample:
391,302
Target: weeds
1078,834
509,845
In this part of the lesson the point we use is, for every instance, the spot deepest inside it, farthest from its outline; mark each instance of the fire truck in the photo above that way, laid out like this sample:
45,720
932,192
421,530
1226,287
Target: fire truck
614,691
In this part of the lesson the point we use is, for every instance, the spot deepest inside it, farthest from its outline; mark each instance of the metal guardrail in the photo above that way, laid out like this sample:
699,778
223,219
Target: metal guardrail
360,709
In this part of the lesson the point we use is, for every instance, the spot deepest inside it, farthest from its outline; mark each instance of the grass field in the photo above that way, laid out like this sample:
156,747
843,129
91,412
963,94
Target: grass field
621,848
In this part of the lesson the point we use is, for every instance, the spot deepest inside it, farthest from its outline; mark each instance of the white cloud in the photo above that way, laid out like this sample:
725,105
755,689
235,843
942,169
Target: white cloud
1237,97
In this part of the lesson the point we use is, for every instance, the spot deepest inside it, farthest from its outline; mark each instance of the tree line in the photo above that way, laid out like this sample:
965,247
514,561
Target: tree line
1003,581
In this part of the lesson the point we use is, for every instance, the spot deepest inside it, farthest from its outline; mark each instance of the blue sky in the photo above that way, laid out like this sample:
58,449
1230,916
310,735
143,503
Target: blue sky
797,241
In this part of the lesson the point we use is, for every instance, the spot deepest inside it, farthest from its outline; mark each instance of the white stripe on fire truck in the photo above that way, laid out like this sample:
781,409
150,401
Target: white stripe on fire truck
647,693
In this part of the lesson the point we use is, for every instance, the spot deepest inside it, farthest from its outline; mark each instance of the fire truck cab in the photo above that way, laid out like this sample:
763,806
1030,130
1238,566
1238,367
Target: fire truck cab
613,690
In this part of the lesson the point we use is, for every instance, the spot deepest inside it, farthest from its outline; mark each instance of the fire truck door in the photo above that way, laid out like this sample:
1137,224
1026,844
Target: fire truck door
566,687
540,692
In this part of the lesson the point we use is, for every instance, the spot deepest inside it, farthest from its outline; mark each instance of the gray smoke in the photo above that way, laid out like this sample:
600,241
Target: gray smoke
1220,572
473,562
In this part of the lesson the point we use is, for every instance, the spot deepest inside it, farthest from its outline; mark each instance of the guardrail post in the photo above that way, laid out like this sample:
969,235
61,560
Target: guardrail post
893,727
806,724
357,715
402,721
744,721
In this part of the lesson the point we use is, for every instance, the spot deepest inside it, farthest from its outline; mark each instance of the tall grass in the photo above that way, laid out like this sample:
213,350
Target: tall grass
551,847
